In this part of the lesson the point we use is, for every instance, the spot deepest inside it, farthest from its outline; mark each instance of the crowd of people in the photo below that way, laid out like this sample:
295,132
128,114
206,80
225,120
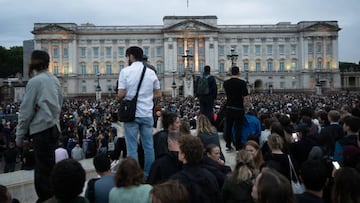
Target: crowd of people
289,147
306,129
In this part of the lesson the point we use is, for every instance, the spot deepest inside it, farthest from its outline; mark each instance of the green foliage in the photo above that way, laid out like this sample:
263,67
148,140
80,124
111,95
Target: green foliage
11,61
349,67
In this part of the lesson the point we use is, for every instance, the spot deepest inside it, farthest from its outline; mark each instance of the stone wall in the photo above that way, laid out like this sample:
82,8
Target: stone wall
21,183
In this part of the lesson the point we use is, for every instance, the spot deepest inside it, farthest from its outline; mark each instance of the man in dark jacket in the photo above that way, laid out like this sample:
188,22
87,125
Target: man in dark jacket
332,132
351,128
207,100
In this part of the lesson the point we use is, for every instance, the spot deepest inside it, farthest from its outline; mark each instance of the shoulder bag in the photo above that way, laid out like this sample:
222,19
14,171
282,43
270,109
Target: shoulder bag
128,107
296,185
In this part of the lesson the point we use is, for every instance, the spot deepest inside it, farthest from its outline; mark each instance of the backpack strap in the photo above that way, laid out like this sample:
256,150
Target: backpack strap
91,190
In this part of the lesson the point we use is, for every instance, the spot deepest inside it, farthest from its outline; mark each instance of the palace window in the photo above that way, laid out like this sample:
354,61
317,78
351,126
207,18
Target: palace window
55,52
246,50
108,69
221,51
96,52
269,66
96,68
257,50
66,52
281,49
269,50
83,69
282,66
258,66
108,52
310,48
121,52
82,52
293,49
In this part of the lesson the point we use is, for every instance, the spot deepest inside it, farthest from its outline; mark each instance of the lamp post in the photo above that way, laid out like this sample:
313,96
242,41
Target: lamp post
173,86
187,56
318,84
270,89
110,90
98,88
233,57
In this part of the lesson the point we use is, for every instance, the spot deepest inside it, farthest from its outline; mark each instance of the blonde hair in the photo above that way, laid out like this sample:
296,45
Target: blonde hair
203,125
245,167
275,141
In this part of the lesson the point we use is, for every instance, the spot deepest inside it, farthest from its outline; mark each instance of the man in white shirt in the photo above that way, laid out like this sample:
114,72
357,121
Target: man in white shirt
129,79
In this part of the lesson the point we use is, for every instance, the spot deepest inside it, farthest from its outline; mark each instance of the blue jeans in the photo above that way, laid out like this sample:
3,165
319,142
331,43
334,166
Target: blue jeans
131,130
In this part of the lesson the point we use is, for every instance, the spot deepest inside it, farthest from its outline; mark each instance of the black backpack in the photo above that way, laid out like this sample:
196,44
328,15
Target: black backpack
91,190
202,86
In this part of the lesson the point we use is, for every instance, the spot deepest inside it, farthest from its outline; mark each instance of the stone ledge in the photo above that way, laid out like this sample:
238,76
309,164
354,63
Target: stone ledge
21,183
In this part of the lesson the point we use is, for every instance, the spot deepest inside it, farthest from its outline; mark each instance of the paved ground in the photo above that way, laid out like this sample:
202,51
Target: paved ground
229,156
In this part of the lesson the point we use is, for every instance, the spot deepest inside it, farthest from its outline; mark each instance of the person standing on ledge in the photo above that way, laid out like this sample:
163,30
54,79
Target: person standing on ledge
39,117
129,79
236,95
206,91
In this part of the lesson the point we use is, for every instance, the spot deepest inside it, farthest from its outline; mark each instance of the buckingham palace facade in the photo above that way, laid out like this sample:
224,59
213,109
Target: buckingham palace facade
276,57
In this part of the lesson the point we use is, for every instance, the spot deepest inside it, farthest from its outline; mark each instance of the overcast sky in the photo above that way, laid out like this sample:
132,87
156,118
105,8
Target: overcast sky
17,17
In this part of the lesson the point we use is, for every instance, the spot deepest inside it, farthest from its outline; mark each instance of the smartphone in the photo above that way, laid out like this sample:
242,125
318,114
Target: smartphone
295,137
336,165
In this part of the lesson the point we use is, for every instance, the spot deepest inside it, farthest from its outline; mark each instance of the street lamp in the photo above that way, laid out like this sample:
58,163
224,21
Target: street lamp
110,90
270,88
98,88
187,56
233,57
173,86
318,84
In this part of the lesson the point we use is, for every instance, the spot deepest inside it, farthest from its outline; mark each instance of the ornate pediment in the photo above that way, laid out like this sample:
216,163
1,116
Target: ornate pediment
52,29
321,26
191,25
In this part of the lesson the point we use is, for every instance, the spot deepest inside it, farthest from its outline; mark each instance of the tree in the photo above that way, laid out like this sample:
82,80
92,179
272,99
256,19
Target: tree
11,61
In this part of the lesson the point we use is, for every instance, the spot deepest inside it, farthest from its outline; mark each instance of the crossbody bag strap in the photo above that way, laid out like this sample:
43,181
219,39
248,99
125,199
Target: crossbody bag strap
292,170
141,79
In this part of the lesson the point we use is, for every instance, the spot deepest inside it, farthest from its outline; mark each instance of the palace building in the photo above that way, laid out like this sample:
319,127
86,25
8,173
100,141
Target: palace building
277,57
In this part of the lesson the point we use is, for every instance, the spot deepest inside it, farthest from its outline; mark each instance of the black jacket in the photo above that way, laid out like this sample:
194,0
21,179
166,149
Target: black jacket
237,192
164,167
200,183
160,143
219,171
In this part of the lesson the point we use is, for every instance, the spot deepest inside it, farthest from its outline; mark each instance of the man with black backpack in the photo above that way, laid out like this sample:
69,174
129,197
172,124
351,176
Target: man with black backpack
206,91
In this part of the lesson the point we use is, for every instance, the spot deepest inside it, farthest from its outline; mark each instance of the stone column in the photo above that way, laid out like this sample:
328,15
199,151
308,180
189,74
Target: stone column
335,53
196,55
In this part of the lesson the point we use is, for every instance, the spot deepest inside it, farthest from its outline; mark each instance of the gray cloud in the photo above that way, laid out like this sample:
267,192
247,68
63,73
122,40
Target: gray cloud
18,17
